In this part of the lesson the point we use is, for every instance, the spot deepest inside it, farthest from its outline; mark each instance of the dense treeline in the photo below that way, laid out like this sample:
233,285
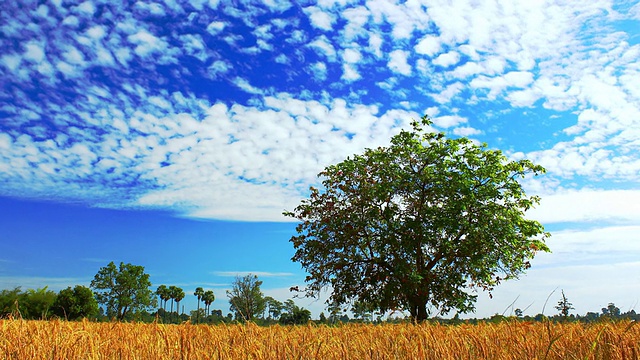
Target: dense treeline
79,302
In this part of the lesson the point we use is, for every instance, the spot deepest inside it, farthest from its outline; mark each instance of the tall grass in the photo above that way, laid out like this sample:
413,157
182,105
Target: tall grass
21,339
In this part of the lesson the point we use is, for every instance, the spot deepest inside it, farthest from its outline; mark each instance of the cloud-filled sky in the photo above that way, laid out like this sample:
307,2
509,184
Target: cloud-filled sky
173,134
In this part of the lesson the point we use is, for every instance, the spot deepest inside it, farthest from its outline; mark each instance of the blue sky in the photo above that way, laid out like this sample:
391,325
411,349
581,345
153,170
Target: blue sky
173,134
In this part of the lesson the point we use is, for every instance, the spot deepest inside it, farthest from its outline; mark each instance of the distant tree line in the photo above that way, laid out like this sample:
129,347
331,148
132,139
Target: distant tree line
124,293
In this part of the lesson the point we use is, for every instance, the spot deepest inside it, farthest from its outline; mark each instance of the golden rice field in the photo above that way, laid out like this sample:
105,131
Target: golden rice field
21,339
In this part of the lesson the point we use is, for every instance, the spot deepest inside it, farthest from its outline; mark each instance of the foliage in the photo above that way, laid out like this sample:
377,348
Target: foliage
9,302
274,308
76,303
417,223
199,293
208,298
294,315
123,290
37,303
611,310
30,304
163,293
246,298
177,294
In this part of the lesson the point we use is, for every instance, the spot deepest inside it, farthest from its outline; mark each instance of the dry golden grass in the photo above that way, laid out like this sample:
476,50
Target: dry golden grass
20,339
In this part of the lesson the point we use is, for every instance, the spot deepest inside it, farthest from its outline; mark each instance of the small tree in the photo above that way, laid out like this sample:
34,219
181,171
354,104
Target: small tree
416,224
519,313
611,310
123,290
76,303
564,306
246,299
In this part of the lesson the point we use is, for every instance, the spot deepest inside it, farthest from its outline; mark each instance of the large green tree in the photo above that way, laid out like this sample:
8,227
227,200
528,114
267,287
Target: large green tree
246,299
123,290
417,223
76,303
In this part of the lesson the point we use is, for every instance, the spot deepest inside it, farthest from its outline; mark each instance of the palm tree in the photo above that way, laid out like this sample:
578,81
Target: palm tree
179,295
208,298
163,293
199,293
172,295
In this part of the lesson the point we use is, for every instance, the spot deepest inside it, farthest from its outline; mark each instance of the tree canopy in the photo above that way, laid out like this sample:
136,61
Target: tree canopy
76,303
123,290
421,222
246,299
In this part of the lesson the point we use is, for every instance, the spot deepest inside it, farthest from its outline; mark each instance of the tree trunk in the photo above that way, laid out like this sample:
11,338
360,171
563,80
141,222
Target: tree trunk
418,310
198,312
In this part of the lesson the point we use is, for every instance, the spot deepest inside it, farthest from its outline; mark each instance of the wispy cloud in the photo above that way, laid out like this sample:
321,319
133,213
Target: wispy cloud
257,273
52,283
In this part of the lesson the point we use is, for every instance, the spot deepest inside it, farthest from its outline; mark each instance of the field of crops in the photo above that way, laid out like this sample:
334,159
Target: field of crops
20,339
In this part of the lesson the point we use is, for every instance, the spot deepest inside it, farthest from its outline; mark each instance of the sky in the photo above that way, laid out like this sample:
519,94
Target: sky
173,134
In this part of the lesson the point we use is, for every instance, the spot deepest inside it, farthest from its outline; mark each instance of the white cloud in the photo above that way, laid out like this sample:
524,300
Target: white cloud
323,45
518,79
398,62
466,131
87,8
34,52
215,27
375,44
447,59
356,18
319,71
350,73
351,56
11,62
320,19
146,43
634,12
218,67
588,205
428,45
246,86
448,93
52,283
448,121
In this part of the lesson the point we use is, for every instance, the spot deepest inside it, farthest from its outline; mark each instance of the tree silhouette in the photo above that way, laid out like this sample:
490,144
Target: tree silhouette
564,306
